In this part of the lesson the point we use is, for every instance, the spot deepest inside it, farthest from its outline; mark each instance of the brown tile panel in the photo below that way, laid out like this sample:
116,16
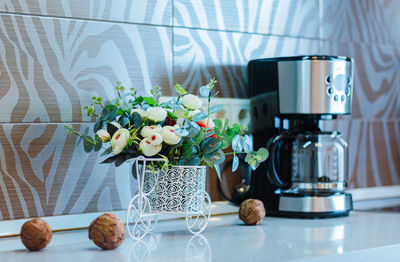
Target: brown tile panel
367,21
157,12
278,17
53,177
376,81
374,150
202,54
52,67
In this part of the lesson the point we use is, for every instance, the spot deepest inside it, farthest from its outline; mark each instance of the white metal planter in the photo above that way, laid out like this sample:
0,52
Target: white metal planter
176,190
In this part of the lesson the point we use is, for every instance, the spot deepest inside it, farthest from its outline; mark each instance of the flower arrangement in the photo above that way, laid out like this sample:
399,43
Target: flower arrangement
176,130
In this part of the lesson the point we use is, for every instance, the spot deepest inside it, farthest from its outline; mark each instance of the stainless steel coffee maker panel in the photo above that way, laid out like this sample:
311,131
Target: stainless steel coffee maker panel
315,86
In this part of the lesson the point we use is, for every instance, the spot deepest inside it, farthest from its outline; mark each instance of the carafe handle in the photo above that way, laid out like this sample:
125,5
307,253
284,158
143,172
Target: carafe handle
273,175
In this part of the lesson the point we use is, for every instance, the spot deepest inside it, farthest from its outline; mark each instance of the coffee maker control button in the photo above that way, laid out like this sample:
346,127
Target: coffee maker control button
328,80
342,98
347,91
330,91
348,80
336,98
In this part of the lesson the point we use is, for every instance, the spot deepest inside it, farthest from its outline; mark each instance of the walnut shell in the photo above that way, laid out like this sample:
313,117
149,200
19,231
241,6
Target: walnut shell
35,234
252,211
107,231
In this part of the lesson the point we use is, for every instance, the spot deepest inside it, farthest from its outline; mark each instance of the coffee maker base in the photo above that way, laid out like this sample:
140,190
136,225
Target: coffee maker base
313,206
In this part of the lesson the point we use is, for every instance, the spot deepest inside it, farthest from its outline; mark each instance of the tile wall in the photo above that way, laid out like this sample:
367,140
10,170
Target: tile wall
55,55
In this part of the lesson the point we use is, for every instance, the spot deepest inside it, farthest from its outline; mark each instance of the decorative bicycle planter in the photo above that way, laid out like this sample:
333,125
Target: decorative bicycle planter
177,190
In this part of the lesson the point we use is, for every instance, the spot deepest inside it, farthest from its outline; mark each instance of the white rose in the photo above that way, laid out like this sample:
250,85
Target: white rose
204,122
140,111
157,114
148,149
119,140
155,139
180,121
191,102
104,135
148,130
180,112
169,136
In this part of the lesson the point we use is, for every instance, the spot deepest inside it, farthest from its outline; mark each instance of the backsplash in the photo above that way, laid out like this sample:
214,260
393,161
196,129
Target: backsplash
55,55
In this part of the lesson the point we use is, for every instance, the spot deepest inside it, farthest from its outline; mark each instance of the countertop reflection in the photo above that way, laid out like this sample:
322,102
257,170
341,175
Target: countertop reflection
227,239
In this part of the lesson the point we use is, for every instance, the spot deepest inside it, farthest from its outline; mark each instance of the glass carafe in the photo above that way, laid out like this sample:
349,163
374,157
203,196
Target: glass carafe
318,162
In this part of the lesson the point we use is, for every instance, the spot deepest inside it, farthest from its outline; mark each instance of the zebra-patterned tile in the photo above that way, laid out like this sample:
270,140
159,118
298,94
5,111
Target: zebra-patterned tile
368,21
283,17
50,68
374,150
202,54
376,81
158,12
43,173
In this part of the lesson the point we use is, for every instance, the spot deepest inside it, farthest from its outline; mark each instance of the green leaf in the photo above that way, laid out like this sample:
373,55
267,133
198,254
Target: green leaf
216,108
136,120
98,144
226,123
180,90
151,101
193,161
226,141
236,129
217,157
120,111
262,153
138,100
218,124
210,145
171,115
88,144
112,115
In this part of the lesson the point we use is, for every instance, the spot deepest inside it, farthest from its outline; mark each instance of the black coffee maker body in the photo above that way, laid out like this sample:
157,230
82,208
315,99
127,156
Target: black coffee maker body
306,173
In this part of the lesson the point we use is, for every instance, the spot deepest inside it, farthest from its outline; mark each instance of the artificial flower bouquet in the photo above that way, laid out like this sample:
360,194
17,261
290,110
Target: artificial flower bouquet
177,130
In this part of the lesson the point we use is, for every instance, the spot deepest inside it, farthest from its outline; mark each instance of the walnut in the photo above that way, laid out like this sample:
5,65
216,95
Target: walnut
252,211
107,231
35,234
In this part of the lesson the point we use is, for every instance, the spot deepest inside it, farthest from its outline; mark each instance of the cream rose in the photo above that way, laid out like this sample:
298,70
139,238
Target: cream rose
104,135
169,136
140,111
180,112
204,122
155,139
148,149
157,114
148,130
119,140
192,102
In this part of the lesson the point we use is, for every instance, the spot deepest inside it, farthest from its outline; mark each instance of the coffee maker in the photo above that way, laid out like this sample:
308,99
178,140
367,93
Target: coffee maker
306,173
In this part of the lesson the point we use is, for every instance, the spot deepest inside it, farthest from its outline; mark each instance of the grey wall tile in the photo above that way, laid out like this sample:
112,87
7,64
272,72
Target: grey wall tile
157,12
52,67
368,21
283,17
202,54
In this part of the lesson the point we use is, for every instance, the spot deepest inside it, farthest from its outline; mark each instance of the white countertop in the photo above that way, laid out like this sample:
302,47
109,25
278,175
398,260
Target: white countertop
363,236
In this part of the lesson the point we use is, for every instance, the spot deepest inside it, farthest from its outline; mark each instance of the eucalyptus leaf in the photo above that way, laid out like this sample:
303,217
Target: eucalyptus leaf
218,170
204,91
194,129
79,140
199,116
124,121
247,144
136,119
235,163
181,132
86,132
174,106
88,144
217,157
216,108
106,151
98,143
210,145
112,115
98,125
237,143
